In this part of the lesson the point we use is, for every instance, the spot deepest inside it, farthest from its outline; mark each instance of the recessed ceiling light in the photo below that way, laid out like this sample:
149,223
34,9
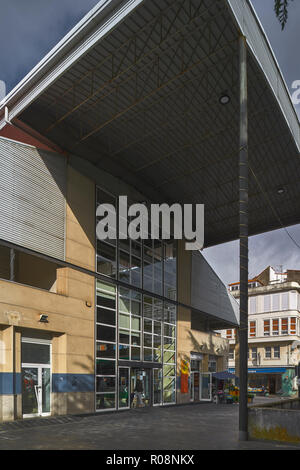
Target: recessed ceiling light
280,191
224,99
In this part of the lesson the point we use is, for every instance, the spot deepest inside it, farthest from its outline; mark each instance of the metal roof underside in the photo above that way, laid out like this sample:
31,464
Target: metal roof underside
143,104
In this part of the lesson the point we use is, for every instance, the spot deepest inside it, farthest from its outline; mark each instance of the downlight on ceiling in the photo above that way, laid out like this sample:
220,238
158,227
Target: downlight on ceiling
281,191
224,99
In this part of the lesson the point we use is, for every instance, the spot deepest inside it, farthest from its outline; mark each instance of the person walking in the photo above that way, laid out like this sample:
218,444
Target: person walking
139,389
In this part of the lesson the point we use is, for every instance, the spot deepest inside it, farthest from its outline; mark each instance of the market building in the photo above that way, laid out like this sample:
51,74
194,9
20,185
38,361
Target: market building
274,334
148,100
77,335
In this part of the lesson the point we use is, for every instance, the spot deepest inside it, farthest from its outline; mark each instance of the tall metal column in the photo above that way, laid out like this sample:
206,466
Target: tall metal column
243,218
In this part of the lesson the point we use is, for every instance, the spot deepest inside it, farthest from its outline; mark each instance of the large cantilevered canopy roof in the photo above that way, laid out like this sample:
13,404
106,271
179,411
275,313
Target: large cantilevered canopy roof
134,89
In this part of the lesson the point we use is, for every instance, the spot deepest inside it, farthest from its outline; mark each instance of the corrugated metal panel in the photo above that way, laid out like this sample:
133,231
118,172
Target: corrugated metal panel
32,198
209,294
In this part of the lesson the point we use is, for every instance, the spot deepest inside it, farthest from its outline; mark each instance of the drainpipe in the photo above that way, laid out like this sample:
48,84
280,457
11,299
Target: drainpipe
243,224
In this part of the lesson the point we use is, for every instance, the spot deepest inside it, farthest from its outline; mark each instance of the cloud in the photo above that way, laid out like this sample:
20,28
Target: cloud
268,249
30,28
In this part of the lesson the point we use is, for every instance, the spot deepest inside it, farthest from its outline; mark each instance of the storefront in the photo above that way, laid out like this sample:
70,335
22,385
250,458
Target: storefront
135,342
275,380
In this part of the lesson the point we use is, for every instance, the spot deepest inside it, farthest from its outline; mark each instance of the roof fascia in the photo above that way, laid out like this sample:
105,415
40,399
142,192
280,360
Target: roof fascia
250,26
99,22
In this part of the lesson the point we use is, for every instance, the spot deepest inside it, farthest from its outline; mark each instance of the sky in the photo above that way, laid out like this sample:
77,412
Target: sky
30,28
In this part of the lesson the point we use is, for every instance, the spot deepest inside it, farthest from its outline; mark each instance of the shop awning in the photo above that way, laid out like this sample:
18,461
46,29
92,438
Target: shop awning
266,370
224,375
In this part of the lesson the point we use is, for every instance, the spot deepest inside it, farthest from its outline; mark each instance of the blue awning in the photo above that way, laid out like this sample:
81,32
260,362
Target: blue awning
224,375
266,370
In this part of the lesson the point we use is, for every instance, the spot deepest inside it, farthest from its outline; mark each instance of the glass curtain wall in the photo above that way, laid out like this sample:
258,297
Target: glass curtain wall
131,325
106,339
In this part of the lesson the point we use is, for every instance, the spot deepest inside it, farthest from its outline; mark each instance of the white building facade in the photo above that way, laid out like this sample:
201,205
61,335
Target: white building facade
274,331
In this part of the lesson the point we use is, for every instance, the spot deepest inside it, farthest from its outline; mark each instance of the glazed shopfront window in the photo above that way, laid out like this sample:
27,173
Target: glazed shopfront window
106,337
106,249
130,325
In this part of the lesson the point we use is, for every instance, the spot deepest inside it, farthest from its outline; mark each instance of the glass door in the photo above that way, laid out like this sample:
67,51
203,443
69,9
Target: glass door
192,386
30,399
36,390
140,388
157,387
36,377
205,386
124,388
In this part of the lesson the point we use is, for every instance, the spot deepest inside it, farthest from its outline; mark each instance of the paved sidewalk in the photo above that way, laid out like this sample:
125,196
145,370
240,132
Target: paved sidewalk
190,427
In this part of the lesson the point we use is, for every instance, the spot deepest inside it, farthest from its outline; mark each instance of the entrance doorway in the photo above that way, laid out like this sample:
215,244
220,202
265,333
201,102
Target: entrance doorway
196,367
36,378
206,386
140,381
139,387
157,387
195,389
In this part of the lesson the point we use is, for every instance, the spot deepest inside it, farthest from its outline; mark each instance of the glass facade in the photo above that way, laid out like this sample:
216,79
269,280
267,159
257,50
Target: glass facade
106,340
135,326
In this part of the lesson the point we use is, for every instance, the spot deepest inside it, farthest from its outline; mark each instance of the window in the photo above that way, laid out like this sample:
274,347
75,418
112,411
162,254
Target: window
267,303
268,352
130,262
277,352
170,270
275,327
275,302
266,327
231,354
106,249
169,347
229,334
293,326
130,310
105,346
285,301
252,329
212,363
254,354
284,326
252,302
153,265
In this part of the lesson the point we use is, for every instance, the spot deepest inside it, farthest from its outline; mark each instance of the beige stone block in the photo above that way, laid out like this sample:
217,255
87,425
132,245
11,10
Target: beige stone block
76,232
72,403
7,408
6,349
80,364
80,255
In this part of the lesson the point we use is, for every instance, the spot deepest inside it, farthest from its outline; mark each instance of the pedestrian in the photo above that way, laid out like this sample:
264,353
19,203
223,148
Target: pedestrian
139,388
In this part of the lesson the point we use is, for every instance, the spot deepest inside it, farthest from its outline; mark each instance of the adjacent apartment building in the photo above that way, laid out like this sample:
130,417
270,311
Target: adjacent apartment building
274,336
